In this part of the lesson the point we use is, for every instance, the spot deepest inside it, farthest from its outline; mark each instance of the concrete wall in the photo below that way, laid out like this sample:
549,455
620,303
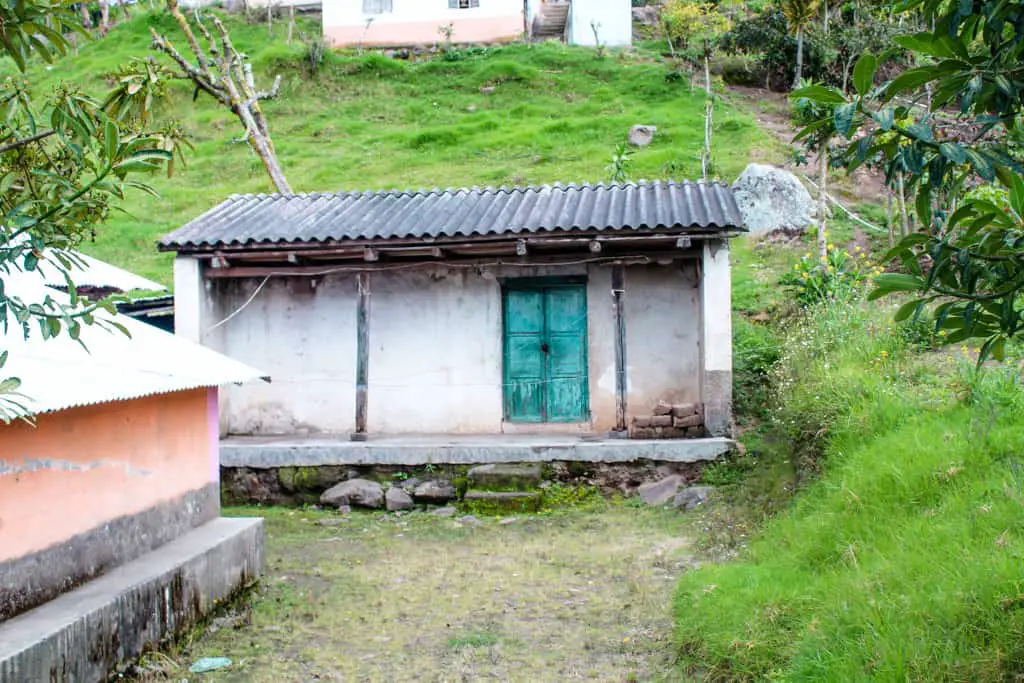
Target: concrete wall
613,17
435,347
716,337
89,488
416,22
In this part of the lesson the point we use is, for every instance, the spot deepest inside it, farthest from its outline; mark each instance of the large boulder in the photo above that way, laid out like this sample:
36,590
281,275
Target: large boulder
358,492
773,199
397,499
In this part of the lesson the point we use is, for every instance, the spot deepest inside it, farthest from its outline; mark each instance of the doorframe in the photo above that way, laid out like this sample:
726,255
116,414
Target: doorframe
585,423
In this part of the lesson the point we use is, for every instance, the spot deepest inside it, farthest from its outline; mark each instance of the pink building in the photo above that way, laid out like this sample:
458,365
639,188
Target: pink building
110,530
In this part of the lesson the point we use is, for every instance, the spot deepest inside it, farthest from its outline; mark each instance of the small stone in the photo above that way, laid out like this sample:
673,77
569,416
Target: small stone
360,492
642,421
689,421
508,520
444,512
488,90
684,409
397,499
692,497
469,520
662,408
641,136
331,521
661,421
436,491
661,491
471,108
411,483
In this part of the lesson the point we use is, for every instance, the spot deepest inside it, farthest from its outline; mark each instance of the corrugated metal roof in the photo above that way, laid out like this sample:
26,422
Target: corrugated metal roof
60,373
245,220
87,271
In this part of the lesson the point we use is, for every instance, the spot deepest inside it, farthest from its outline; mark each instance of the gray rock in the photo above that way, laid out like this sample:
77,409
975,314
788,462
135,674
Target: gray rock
469,520
772,199
358,492
692,497
444,512
641,136
411,483
661,491
488,90
398,499
331,521
508,520
436,491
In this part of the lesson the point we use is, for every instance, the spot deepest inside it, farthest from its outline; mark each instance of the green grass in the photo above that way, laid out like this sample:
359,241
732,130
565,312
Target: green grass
374,123
901,561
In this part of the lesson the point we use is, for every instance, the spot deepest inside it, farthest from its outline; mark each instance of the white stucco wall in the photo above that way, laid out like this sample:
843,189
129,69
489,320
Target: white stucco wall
416,22
615,19
435,347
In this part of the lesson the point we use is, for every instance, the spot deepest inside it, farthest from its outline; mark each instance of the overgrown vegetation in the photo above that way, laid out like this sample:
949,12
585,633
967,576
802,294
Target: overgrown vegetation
374,122
899,557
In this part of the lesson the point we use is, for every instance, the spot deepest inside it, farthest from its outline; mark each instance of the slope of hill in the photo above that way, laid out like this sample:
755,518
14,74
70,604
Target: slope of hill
372,122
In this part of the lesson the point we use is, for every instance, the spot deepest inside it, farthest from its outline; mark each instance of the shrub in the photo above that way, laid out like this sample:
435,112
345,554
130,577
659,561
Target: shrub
841,276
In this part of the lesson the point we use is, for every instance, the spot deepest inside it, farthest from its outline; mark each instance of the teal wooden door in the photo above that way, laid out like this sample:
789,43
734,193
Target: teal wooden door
546,353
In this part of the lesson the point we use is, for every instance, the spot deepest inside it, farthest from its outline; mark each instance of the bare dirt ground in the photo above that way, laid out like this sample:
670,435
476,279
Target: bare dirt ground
572,595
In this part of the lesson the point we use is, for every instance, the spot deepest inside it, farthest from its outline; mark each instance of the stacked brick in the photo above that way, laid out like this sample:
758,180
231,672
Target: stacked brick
670,421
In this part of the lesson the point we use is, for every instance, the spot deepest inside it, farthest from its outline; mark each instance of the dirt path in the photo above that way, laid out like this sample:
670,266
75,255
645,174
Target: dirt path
772,114
557,597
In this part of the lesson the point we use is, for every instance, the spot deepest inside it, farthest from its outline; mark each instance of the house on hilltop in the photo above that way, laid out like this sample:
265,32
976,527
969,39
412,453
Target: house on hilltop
111,539
396,23
555,313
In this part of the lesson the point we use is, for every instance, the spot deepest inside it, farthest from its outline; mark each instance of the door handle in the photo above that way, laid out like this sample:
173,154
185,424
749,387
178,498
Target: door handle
545,348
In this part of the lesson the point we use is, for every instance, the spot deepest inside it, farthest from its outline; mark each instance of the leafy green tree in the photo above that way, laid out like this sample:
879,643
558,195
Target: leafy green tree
967,262
63,159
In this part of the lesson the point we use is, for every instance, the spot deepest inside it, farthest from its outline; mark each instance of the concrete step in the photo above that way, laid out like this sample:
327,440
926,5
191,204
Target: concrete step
86,633
498,502
505,476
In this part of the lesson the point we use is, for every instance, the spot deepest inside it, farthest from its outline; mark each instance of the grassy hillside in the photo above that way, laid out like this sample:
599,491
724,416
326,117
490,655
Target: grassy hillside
901,561
373,123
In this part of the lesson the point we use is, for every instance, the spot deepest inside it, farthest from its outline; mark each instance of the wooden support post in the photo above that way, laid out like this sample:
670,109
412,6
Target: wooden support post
362,354
618,292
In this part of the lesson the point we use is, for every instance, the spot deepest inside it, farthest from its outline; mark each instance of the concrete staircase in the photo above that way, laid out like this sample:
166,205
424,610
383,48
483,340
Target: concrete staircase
503,488
550,22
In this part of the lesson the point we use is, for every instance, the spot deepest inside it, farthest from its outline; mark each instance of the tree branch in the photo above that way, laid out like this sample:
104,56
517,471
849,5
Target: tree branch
26,141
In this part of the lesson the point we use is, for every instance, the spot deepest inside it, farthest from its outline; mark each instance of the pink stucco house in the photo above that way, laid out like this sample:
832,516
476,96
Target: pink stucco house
110,532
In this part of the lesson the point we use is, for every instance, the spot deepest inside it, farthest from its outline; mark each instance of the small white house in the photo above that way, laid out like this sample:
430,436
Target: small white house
579,310
390,23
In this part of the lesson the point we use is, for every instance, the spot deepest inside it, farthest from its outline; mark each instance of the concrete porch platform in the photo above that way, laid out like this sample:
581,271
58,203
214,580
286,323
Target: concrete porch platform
82,635
313,451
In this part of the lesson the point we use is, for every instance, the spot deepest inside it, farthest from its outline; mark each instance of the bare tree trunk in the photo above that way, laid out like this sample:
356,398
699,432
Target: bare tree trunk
270,19
709,108
824,7
124,10
104,17
823,203
291,22
86,19
888,217
799,57
904,223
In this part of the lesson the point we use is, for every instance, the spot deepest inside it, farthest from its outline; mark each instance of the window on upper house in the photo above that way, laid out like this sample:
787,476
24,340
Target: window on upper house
463,4
377,6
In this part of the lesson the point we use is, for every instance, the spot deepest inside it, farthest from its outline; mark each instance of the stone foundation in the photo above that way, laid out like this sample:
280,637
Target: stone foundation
304,485
670,421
